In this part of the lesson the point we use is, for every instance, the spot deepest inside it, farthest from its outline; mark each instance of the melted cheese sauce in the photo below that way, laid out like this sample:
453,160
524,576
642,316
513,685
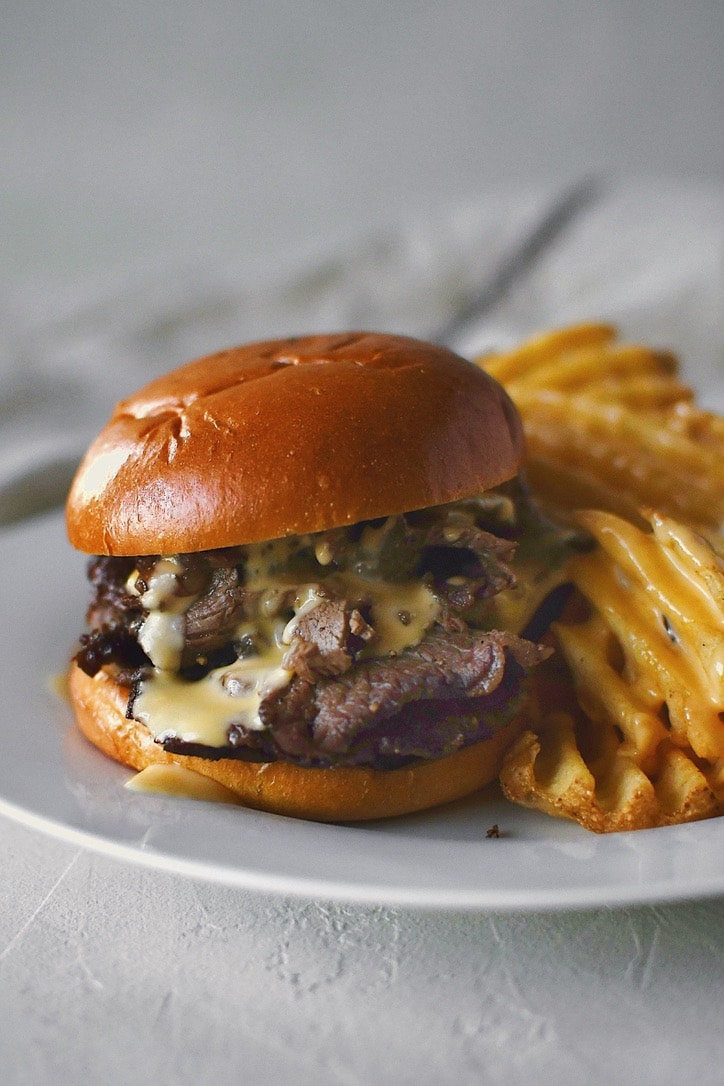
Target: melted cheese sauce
162,639
162,634
400,614
179,782
513,608
58,685
204,710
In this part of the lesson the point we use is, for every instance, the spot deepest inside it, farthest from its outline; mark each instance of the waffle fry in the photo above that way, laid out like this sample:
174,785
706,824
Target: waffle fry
645,745
547,771
625,452
517,365
631,733
611,426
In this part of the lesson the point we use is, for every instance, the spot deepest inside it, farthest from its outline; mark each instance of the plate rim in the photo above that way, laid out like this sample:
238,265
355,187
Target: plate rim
30,540
317,889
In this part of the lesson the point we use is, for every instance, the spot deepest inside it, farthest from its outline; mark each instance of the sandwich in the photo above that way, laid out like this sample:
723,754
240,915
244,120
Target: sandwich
316,576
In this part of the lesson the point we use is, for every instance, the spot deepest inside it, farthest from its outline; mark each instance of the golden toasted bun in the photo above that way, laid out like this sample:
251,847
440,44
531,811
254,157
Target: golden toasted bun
289,437
323,795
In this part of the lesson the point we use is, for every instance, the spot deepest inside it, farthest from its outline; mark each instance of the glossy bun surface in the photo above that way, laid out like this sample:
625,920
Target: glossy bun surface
288,437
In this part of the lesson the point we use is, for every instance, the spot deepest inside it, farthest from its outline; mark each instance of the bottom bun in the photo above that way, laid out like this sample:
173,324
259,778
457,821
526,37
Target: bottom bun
339,794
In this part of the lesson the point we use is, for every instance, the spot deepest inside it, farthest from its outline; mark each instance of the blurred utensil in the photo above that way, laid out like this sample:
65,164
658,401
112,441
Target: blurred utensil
515,264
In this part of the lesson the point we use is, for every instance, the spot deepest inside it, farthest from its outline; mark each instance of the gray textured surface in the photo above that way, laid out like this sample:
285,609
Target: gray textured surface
118,976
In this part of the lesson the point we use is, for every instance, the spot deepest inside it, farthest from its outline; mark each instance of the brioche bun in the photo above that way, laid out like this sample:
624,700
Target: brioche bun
280,438
344,794
289,437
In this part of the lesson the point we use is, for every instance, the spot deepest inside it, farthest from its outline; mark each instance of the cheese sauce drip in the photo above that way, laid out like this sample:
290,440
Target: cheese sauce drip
203,711
162,634
177,781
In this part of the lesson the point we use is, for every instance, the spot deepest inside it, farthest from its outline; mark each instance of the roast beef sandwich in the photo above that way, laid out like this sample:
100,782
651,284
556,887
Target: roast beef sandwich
314,574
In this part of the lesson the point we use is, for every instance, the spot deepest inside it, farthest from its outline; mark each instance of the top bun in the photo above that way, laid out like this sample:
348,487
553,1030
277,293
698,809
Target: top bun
288,437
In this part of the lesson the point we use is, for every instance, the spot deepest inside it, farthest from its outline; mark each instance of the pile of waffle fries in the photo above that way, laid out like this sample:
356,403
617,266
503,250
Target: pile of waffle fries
630,732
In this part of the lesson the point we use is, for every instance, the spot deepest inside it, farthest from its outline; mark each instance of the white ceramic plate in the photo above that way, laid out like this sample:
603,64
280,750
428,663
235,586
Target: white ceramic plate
52,779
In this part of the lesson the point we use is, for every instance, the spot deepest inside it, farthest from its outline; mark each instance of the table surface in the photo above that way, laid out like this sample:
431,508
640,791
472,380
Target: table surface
161,164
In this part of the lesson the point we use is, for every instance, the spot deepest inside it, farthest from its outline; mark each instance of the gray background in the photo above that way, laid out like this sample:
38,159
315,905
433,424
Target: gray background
138,134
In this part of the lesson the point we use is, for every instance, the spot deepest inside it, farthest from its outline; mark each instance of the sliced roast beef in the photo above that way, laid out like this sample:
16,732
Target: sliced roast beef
212,619
424,703
411,545
325,639
342,706
435,729
325,717
467,563
114,617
